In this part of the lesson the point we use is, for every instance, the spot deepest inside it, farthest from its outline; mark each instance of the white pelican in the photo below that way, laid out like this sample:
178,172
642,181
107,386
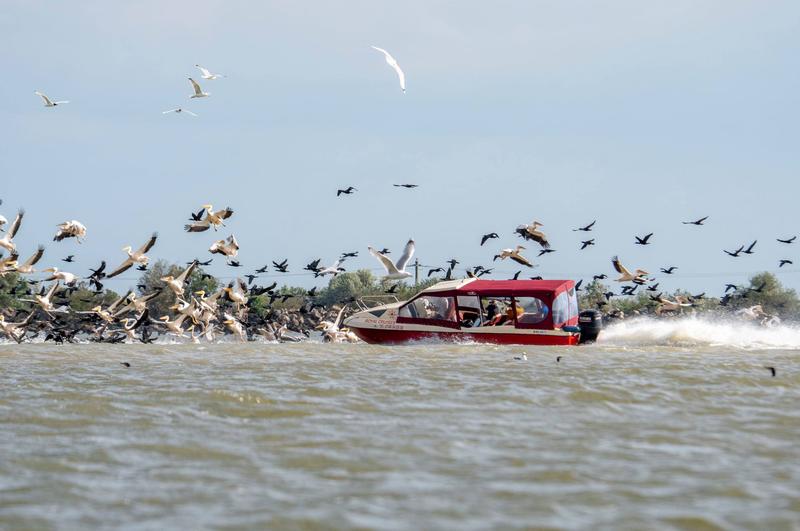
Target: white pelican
176,284
331,332
206,74
173,327
138,304
398,270
15,331
212,219
3,220
68,278
234,326
237,293
626,276
198,92
8,265
70,229
27,266
6,242
179,110
333,270
47,101
228,247
530,232
43,298
514,255
137,257
391,61
666,305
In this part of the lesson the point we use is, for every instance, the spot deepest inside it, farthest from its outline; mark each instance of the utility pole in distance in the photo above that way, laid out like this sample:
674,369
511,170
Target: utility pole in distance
416,272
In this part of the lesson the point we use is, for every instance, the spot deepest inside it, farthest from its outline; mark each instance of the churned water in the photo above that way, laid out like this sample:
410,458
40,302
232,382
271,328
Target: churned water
666,425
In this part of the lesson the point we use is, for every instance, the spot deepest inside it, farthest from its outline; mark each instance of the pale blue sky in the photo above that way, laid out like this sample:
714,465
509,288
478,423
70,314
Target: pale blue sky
638,114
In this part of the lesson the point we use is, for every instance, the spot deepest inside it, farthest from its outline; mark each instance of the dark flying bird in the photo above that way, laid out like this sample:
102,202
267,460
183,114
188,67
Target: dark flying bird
545,251
586,243
234,263
516,275
69,259
600,277
749,250
453,262
669,270
250,278
654,287
262,269
790,240
347,191
587,228
385,251
407,185
349,255
282,267
729,287
697,222
735,253
435,270
491,235
198,216
784,262
644,240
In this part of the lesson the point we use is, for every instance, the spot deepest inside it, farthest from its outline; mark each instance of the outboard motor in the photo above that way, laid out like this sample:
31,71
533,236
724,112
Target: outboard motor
591,322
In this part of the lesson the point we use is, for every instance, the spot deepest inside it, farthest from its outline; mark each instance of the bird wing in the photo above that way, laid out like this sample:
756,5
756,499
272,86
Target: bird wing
621,269
521,260
198,226
52,290
169,111
12,231
190,113
121,269
400,75
149,245
45,98
188,271
197,90
384,260
338,319
35,258
203,71
408,252
225,214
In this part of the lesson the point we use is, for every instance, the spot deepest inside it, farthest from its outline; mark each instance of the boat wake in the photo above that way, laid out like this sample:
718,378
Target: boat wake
699,331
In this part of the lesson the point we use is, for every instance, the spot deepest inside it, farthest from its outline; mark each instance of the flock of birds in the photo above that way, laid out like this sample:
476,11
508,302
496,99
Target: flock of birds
207,316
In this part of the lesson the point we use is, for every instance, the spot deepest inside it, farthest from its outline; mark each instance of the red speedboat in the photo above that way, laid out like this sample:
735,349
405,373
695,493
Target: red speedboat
528,312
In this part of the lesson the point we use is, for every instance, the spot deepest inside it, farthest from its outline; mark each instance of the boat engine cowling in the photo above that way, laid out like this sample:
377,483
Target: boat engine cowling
591,322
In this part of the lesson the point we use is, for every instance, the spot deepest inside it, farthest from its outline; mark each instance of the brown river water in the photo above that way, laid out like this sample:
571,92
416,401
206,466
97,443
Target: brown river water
660,426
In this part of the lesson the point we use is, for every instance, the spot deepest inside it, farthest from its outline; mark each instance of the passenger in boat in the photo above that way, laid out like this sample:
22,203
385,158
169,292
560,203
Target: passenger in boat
491,311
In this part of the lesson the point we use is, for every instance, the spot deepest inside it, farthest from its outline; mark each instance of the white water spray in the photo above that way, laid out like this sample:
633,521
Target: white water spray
699,332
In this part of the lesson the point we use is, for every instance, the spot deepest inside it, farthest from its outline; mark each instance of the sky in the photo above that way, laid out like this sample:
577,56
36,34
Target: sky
640,115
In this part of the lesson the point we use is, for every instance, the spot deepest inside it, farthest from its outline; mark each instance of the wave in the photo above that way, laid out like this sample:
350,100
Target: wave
699,331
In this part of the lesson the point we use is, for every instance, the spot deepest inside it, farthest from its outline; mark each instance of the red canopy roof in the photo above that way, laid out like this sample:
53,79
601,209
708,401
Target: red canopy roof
510,287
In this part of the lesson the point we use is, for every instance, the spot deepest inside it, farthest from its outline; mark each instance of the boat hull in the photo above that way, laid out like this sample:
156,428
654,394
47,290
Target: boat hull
397,337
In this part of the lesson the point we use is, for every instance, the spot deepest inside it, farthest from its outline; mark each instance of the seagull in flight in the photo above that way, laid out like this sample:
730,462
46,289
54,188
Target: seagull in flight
391,61
206,74
47,101
198,92
180,110
395,270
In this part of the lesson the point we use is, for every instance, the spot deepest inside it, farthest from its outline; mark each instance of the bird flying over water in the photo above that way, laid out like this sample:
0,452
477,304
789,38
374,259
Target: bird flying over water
625,275
179,110
749,250
70,229
135,257
7,241
212,219
788,240
395,270
785,262
735,253
228,247
586,243
205,74
347,191
531,232
669,270
644,240
587,228
47,101
198,92
391,61
696,222
489,236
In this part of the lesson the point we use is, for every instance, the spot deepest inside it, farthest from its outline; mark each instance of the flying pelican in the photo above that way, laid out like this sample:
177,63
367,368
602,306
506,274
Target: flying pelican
205,74
333,270
179,110
237,293
626,276
70,229
137,257
68,278
43,299
530,232
234,326
198,92
8,265
395,271
514,255
6,241
212,219
27,266
176,284
173,327
393,63
47,101
228,247
15,331
138,304
666,305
